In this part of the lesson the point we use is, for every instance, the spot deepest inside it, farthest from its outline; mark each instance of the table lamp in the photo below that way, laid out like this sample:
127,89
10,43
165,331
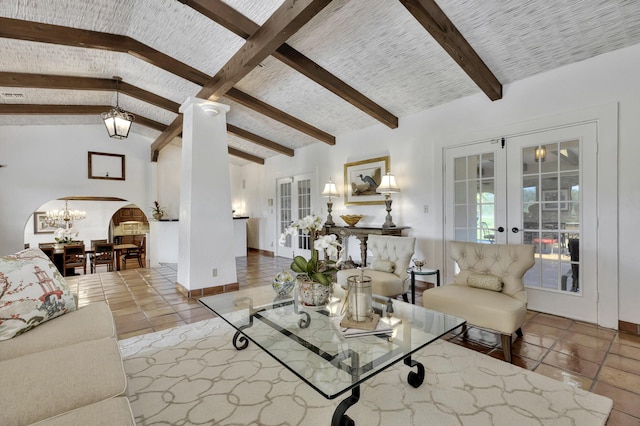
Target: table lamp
330,191
388,187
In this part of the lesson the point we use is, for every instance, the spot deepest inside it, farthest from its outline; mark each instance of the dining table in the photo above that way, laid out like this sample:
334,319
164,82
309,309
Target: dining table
58,251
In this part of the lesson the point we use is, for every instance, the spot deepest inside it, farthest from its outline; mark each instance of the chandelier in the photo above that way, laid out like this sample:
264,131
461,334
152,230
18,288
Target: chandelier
117,121
63,218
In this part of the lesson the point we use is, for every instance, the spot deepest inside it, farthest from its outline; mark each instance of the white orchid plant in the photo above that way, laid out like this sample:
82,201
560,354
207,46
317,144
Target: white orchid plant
64,235
311,225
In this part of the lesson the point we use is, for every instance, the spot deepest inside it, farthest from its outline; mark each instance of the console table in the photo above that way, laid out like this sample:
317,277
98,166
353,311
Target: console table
362,233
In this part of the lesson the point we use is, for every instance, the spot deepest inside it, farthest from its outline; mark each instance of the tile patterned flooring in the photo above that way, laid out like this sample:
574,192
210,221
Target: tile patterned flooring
593,358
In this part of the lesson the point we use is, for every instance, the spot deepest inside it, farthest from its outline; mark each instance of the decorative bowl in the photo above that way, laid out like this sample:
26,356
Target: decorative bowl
351,219
419,263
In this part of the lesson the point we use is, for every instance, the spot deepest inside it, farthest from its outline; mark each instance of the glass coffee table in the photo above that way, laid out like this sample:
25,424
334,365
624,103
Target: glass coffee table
309,343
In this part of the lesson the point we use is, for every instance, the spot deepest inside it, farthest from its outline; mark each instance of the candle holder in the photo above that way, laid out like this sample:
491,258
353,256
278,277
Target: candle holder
360,298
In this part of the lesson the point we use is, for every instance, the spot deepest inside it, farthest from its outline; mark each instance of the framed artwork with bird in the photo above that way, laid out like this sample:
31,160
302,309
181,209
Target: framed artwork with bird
361,178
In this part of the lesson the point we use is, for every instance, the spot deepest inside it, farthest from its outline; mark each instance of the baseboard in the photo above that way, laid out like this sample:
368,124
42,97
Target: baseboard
262,252
207,291
629,327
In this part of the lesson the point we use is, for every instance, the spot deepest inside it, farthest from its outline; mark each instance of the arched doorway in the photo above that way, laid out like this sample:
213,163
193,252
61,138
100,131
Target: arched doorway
106,218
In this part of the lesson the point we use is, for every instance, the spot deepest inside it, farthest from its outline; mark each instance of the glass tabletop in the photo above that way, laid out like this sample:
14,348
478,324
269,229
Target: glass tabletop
310,344
423,271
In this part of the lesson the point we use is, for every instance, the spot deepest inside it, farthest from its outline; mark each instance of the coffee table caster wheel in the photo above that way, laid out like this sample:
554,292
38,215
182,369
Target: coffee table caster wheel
347,421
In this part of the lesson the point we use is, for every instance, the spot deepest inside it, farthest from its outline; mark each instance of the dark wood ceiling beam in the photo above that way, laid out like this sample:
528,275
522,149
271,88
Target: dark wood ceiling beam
281,116
234,21
246,156
259,140
224,15
56,34
287,20
47,81
46,109
172,131
46,33
434,20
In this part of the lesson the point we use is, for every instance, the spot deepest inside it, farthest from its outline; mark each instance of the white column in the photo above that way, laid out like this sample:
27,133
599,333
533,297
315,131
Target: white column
205,246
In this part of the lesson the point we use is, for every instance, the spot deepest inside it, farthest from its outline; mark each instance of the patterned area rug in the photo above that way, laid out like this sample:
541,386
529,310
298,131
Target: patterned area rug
192,375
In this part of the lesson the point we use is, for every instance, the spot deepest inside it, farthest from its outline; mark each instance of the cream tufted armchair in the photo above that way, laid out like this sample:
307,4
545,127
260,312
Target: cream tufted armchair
474,294
388,269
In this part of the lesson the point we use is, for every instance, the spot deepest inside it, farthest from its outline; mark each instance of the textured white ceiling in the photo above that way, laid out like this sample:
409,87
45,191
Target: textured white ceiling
376,46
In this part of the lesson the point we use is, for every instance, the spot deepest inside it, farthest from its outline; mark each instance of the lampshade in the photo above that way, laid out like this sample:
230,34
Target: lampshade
330,189
388,185
117,121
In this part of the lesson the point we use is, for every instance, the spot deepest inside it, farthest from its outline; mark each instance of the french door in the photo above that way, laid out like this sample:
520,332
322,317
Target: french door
538,189
294,202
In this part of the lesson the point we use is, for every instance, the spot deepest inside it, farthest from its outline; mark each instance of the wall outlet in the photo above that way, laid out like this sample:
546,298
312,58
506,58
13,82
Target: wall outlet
426,208
214,272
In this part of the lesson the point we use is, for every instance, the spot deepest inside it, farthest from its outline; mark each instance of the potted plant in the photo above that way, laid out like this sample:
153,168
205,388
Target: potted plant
315,277
157,211
65,236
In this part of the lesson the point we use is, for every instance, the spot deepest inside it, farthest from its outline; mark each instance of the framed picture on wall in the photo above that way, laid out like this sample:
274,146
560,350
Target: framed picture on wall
40,225
103,165
361,178
552,200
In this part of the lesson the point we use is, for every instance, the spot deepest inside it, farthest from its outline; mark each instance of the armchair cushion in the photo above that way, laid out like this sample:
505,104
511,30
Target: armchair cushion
485,281
383,265
487,309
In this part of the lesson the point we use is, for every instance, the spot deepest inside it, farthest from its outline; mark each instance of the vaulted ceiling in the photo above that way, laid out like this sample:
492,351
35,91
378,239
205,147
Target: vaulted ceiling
293,72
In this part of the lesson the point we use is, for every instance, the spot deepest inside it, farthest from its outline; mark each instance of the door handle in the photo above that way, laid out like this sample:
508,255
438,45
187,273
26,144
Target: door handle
515,230
500,229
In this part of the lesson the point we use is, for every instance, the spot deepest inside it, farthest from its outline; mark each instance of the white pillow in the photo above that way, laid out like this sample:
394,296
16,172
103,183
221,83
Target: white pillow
32,291
485,281
383,265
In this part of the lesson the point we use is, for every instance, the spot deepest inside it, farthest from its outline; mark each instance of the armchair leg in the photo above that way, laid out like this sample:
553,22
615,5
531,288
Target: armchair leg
506,347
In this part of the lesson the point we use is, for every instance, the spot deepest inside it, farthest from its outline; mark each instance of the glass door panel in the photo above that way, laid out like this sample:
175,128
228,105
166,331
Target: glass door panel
552,208
294,202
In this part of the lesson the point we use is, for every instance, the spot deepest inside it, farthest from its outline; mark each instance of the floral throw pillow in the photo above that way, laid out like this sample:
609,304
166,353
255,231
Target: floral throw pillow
32,291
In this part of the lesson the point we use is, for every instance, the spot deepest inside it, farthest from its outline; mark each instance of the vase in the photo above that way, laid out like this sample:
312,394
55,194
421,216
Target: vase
158,215
311,293
283,283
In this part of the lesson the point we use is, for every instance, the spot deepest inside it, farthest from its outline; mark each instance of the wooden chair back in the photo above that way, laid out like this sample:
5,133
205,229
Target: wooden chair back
74,256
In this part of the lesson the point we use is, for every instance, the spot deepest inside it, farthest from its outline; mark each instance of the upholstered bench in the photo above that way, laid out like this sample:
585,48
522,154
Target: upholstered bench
488,291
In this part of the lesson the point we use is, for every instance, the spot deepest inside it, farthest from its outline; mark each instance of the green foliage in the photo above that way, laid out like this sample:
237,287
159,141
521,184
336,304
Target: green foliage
310,268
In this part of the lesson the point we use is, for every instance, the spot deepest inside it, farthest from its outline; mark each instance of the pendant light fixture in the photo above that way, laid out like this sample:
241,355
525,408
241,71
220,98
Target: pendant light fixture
117,121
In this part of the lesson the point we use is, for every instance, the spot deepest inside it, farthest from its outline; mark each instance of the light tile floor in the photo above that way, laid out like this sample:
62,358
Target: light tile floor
597,359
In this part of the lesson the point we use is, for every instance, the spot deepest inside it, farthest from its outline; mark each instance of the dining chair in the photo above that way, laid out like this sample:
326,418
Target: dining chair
102,255
49,251
73,257
134,253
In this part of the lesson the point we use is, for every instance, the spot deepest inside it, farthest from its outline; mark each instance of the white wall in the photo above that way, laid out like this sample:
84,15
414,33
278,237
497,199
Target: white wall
415,151
38,159
49,162
94,227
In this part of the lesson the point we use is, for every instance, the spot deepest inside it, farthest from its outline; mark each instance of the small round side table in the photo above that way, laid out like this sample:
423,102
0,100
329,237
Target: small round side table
424,271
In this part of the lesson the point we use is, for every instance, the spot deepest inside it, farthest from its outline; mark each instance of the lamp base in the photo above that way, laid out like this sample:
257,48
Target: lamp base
329,221
388,223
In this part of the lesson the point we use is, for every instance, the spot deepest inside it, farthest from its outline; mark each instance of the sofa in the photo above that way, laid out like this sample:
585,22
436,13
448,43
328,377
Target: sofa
61,365
488,290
